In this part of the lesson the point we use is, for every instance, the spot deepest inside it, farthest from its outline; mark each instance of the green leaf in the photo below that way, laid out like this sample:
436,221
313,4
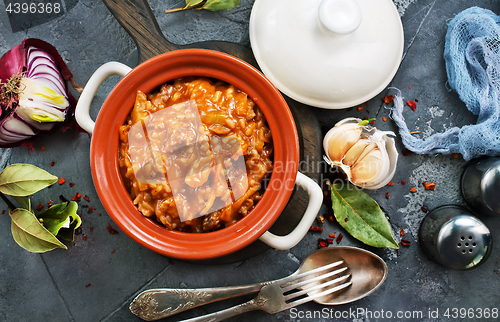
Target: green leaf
361,216
24,179
60,216
219,5
30,234
24,202
190,4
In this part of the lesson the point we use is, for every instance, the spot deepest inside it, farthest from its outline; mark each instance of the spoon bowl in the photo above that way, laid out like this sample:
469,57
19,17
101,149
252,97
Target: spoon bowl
368,272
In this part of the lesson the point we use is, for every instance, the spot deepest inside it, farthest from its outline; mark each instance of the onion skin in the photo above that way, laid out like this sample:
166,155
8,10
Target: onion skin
15,62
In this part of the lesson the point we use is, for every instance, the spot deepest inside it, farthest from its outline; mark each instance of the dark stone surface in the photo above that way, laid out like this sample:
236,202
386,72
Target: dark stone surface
95,279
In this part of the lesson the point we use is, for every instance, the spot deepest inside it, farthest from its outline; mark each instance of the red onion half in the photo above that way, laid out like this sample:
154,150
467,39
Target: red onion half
34,96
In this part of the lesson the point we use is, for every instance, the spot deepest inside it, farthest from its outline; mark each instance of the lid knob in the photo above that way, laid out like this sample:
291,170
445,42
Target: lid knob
339,16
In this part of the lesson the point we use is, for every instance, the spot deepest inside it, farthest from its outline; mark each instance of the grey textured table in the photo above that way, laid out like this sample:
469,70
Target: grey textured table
96,278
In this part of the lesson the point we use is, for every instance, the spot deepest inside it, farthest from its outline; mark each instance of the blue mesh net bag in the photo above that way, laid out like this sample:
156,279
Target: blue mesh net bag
472,57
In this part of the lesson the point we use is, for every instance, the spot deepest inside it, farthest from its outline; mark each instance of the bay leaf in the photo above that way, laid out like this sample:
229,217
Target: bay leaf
361,216
61,216
21,180
30,234
219,5
24,202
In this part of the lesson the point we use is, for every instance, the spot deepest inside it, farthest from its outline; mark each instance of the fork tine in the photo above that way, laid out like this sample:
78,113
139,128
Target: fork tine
315,296
320,277
293,278
317,286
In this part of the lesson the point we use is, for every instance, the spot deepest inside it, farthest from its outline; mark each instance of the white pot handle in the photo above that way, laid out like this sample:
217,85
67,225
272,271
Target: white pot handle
293,238
82,111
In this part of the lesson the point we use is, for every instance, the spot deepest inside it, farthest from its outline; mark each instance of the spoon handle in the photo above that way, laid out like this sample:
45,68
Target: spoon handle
156,304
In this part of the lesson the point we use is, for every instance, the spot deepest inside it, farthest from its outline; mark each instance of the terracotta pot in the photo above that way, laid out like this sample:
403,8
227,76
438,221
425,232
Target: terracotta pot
104,154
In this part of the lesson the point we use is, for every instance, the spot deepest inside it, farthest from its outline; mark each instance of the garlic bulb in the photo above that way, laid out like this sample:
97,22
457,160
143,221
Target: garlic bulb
366,155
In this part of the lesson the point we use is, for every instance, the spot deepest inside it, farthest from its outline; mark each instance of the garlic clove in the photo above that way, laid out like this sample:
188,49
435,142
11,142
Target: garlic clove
367,169
356,151
342,140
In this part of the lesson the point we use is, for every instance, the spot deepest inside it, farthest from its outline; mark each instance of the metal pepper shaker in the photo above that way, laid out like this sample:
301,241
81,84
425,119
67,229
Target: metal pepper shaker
480,185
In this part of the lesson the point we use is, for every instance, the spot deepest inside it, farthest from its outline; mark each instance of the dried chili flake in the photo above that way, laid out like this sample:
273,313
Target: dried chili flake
52,163
384,118
360,108
87,285
331,218
424,209
390,183
339,238
388,99
77,197
316,228
412,105
111,230
86,198
455,155
329,241
320,219
430,186
331,235
42,148
413,189
409,87
85,206
84,238
403,182
39,207
367,111
49,203
3,211
113,251
91,228
71,184
365,118
405,242
402,232
346,220
61,180
98,214
322,243
416,100
372,122
387,195
91,210
406,152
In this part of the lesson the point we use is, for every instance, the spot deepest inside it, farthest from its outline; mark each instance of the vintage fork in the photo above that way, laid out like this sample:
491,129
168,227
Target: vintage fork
273,297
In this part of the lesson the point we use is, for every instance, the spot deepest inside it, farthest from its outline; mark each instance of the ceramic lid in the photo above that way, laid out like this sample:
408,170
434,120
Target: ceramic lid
327,53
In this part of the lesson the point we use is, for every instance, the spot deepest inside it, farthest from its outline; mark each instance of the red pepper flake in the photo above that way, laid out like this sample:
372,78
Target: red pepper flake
113,251
367,111
409,87
322,243
387,195
339,238
98,214
77,197
87,285
424,209
416,100
412,105
346,220
85,206
49,203
86,198
402,232
39,207
405,242
61,180
430,186
413,189
384,118
331,235
71,184
316,228
329,241
360,108
331,218
91,210
365,118
372,122
406,152
42,148
390,183
52,163
111,230
84,238
455,155
91,228
3,211
403,182
388,99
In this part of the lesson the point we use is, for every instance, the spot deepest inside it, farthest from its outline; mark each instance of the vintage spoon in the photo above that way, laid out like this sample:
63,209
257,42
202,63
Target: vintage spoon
368,272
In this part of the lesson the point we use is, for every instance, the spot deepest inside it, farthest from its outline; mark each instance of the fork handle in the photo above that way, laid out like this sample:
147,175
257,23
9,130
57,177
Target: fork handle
251,305
156,304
